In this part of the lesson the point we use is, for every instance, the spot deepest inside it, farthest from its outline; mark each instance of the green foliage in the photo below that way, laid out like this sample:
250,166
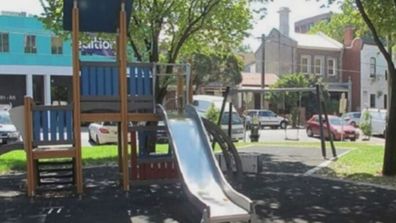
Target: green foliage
291,99
225,69
365,123
212,114
348,17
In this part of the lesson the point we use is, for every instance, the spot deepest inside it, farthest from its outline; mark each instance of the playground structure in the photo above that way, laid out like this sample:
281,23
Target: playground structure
125,93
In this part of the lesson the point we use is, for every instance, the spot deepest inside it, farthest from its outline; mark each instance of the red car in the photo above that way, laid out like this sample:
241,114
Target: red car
338,128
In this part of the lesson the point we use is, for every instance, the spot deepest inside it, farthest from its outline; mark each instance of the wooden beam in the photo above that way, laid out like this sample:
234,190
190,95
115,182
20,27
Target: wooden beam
123,96
29,146
138,117
96,117
76,97
54,153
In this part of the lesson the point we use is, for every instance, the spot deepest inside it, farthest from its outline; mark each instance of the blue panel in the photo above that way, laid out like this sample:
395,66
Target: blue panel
142,141
69,120
85,81
53,124
115,81
101,83
147,84
140,82
108,81
92,81
44,116
61,124
135,81
36,125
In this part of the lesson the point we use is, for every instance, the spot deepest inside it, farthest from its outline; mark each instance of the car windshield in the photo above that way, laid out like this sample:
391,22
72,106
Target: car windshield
5,118
235,119
336,121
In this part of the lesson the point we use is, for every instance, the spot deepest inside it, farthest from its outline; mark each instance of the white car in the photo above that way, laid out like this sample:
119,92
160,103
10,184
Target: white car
103,132
266,118
203,102
8,132
378,121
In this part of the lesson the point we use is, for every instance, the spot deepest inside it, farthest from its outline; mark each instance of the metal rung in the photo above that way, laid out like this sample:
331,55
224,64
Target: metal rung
56,170
56,176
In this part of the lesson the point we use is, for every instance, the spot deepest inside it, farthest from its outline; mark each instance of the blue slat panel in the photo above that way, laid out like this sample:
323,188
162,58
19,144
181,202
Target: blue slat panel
132,88
140,82
61,124
85,81
150,81
53,124
36,125
115,81
101,83
44,116
69,121
107,81
136,81
92,81
146,81
142,141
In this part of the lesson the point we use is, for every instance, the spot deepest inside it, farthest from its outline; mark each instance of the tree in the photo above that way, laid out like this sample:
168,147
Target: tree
349,16
291,100
380,18
225,69
365,124
161,30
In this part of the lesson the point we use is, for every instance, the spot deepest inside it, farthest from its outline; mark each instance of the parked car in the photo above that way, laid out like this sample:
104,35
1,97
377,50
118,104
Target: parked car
378,121
338,128
352,118
266,118
8,132
103,132
203,102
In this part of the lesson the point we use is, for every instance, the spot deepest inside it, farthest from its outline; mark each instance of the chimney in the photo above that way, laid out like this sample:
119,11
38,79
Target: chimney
348,35
284,20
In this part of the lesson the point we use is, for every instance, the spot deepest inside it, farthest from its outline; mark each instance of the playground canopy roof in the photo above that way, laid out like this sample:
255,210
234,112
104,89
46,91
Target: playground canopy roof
96,15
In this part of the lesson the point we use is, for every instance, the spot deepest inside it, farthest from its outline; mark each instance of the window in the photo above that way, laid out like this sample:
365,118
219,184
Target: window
30,44
4,43
319,61
372,100
56,45
373,65
331,67
385,101
305,64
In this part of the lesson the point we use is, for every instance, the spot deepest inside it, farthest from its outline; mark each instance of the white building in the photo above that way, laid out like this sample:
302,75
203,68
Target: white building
373,78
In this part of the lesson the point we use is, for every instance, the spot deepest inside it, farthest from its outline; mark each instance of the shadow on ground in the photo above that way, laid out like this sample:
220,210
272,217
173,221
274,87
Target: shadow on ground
280,198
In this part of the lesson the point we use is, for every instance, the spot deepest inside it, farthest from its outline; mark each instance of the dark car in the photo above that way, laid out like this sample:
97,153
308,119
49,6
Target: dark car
338,128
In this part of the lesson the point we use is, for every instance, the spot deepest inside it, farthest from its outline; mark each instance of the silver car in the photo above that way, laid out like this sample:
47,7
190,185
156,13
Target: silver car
8,132
266,118
352,118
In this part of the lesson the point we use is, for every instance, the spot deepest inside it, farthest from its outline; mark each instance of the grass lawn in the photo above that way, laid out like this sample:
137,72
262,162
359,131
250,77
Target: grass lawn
363,163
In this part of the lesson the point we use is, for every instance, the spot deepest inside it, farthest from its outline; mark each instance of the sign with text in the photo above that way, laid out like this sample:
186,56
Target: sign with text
98,47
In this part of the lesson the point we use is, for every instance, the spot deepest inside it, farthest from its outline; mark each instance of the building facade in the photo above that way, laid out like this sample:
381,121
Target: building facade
35,62
304,25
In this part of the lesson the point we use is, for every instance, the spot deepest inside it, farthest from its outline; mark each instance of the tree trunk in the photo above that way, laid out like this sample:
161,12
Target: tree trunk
389,167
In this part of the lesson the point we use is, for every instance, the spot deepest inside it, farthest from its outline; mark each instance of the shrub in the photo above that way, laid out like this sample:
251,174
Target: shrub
365,124
213,114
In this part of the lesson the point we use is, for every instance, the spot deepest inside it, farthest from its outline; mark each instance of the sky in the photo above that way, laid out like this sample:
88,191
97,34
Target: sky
300,9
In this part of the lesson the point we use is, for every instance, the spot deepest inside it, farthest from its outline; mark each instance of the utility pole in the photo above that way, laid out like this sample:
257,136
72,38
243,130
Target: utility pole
262,95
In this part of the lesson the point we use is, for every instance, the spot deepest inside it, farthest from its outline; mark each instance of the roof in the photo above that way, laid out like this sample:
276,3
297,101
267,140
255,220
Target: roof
318,41
254,79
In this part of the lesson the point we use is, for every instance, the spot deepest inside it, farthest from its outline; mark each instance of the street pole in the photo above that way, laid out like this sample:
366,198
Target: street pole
262,95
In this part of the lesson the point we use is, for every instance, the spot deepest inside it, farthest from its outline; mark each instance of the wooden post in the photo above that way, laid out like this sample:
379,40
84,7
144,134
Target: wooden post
322,142
123,95
76,97
29,147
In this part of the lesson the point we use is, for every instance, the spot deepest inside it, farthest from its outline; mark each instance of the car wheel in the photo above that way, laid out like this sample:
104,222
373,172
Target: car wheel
334,137
309,132
97,140
354,124
282,125
353,139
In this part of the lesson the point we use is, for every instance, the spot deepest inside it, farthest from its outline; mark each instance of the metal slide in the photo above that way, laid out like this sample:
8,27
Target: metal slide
203,180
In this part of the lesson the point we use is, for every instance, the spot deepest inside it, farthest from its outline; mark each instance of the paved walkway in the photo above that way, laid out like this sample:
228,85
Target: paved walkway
282,194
